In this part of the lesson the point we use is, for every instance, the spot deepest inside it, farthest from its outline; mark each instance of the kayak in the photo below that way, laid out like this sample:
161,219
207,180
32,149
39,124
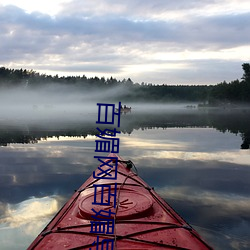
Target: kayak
116,209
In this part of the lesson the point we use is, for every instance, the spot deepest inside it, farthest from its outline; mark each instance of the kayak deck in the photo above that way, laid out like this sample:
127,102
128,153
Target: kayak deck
142,219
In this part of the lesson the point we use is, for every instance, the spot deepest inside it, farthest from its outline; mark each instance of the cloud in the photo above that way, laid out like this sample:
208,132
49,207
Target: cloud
142,9
26,220
29,210
94,38
229,204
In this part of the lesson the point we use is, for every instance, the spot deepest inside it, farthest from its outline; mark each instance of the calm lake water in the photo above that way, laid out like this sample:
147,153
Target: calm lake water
197,160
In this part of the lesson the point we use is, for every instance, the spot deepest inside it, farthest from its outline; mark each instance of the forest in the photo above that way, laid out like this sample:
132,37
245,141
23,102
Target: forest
224,93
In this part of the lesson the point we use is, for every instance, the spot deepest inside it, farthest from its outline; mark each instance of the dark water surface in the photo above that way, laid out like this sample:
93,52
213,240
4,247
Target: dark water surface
193,158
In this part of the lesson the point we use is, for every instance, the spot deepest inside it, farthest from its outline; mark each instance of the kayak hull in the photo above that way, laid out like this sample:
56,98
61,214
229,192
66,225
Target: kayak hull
142,219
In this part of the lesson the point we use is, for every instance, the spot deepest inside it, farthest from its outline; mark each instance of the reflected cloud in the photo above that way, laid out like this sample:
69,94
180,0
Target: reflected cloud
228,203
222,219
45,168
69,139
184,138
63,156
147,144
235,156
29,212
198,171
200,144
22,222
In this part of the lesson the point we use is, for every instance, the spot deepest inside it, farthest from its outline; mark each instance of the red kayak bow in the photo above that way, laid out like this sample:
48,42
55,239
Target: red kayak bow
116,209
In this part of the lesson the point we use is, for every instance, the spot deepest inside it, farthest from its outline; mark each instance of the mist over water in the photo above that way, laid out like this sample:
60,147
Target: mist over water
61,102
44,103
191,156
59,107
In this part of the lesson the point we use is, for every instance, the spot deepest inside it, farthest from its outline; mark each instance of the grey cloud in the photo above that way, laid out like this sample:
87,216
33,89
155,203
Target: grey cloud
209,71
220,31
217,31
133,8
85,68
98,40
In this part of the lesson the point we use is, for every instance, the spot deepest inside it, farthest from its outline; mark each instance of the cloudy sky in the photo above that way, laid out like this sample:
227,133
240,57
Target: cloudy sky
156,41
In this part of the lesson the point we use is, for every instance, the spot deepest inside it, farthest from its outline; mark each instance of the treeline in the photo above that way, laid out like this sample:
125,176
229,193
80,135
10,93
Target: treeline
236,122
234,92
237,91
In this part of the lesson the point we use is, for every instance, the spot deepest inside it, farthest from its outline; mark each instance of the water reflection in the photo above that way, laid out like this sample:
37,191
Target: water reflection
31,131
201,174
20,222
29,210
192,160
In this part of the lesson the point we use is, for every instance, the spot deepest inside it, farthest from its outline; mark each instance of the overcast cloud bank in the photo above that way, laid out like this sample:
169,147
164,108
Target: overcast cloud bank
184,42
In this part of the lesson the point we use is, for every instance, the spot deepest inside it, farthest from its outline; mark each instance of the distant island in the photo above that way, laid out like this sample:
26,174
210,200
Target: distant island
236,92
